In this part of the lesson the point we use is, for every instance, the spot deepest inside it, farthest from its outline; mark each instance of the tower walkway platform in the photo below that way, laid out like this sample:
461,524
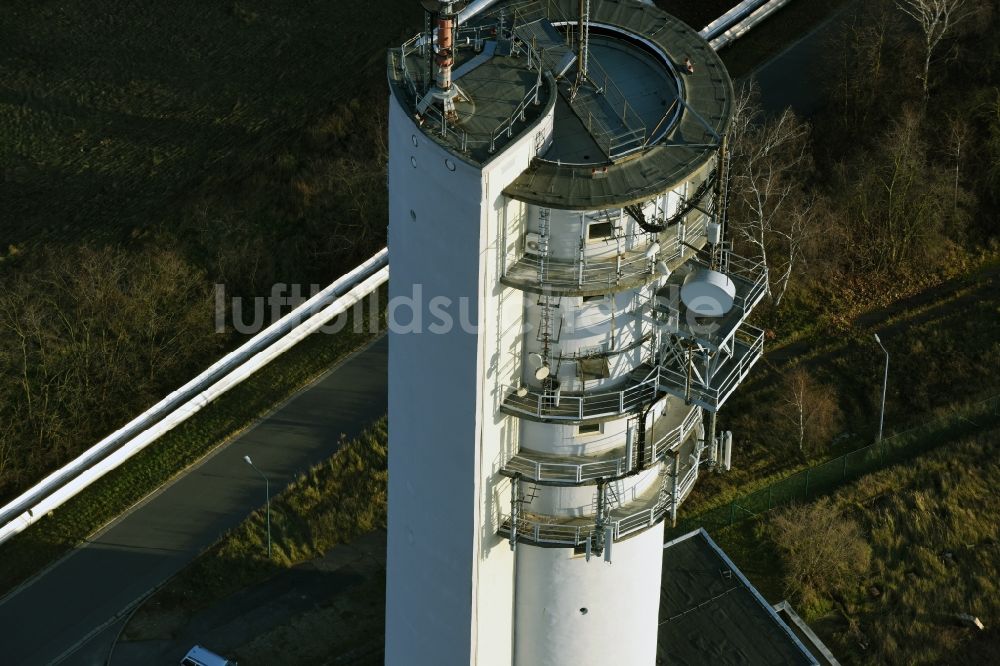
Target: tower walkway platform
675,374
667,433
630,518
593,276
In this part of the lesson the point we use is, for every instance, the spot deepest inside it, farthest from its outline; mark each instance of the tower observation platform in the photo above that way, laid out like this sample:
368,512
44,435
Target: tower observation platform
558,178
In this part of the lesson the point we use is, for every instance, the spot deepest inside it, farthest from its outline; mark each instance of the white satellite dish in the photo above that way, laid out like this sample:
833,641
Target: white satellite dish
534,360
662,269
522,391
652,250
542,373
708,293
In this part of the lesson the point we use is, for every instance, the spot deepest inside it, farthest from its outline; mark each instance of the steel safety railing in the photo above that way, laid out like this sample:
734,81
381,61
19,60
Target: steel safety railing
752,273
748,347
545,531
665,377
553,406
585,273
401,71
532,468
604,272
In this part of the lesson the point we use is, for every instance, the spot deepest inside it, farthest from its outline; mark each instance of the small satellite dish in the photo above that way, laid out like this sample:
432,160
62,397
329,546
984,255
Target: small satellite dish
652,250
708,293
542,373
534,360
522,391
662,269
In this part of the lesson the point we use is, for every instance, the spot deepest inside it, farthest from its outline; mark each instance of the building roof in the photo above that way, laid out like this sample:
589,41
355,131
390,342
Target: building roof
711,614
641,126
691,139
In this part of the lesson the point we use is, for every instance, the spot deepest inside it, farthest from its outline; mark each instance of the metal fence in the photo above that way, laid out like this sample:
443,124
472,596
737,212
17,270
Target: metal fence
826,477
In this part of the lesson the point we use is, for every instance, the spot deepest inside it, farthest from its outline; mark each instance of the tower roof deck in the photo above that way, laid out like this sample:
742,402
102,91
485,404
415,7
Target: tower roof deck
629,121
683,116
501,97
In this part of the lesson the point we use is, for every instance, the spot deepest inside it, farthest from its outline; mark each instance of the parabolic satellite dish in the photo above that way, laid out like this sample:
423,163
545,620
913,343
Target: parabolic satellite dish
708,293
542,373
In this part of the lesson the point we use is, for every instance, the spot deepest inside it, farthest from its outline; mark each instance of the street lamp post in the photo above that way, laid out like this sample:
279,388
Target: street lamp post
267,499
885,382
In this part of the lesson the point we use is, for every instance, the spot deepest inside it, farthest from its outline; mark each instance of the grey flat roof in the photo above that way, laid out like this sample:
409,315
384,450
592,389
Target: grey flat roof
711,614
689,143
643,49
497,86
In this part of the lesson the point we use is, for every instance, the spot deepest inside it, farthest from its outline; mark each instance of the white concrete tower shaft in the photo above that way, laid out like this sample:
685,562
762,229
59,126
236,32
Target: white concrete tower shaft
547,378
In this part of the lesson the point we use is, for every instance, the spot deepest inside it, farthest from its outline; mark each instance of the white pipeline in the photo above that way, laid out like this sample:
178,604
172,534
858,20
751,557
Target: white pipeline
757,17
240,363
734,15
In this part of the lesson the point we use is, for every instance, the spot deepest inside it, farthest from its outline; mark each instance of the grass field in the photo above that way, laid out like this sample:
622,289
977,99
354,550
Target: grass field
117,119
944,342
934,546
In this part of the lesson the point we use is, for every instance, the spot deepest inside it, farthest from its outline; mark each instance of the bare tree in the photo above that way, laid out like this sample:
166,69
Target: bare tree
900,208
822,549
861,66
936,19
809,409
958,137
770,213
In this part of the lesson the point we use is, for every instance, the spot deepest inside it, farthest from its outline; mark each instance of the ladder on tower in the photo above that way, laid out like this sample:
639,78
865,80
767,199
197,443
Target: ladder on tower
720,209
518,500
547,334
668,483
543,244
640,454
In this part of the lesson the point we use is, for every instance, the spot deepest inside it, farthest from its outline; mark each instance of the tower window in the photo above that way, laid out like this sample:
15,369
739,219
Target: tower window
590,429
600,230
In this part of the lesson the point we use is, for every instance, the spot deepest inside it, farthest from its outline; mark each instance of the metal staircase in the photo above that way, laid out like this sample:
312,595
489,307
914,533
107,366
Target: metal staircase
592,95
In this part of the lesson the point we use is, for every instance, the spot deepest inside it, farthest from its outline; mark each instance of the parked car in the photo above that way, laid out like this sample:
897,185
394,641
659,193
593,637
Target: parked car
199,656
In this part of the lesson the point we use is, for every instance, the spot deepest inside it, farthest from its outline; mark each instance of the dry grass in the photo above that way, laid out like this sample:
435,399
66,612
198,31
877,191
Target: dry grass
935,541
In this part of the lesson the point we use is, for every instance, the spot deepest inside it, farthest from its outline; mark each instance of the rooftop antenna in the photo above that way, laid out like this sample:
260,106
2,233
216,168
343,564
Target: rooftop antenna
583,40
444,22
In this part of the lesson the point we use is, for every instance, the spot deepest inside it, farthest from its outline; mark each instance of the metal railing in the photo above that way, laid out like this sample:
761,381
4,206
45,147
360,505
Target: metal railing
748,342
587,273
582,472
594,273
540,531
606,100
633,135
506,127
750,271
461,138
549,406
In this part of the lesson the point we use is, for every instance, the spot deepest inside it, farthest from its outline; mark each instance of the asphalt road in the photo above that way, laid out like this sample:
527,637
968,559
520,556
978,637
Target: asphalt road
794,77
70,613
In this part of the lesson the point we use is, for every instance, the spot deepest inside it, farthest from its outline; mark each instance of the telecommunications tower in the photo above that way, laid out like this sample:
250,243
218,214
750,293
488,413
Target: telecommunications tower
567,317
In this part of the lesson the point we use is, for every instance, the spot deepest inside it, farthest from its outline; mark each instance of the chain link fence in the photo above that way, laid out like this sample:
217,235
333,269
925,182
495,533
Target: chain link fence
825,477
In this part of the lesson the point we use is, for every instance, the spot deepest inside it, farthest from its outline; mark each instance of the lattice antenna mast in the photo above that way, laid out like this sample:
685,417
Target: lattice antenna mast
583,40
